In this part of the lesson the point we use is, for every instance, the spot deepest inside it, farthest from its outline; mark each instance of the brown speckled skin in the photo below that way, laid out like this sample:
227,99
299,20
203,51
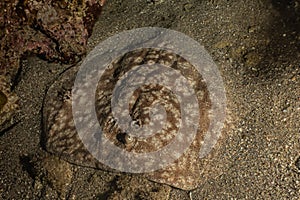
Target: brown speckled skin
61,137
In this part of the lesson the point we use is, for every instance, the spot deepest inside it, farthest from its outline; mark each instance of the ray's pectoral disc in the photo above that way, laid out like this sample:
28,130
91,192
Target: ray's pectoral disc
152,107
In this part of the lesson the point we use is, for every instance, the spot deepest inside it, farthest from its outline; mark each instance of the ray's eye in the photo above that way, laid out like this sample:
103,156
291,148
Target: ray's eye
129,139
124,138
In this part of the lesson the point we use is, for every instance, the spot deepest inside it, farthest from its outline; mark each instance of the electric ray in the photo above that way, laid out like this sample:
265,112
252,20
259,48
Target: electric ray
61,138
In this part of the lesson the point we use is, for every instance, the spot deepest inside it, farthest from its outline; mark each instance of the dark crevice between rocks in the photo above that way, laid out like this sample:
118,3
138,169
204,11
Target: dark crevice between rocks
17,76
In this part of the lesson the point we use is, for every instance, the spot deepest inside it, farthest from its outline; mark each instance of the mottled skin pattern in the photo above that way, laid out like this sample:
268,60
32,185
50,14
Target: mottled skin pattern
61,137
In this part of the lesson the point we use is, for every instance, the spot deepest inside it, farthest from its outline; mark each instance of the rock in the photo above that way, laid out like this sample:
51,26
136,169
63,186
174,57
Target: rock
54,30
